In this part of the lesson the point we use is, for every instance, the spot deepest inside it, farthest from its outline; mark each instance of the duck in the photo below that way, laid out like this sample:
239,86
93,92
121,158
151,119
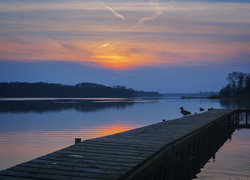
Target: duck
201,109
184,112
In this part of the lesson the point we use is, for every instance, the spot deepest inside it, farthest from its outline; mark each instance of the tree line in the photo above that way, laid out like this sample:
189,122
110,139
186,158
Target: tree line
84,90
238,85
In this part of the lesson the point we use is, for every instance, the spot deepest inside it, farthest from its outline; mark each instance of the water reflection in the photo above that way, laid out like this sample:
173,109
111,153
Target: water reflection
29,129
235,103
232,160
20,146
42,105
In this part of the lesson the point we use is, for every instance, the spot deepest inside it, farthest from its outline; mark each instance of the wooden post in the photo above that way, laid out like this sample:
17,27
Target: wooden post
77,140
246,118
238,120
171,162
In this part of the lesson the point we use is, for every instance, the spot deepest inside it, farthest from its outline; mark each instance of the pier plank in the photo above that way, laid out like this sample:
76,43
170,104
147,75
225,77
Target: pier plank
74,168
89,162
107,147
85,164
32,175
60,172
115,160
108,150
118,156
79,154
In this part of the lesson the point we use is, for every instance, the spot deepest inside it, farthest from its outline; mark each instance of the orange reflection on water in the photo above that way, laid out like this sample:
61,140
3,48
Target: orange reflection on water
20,146
105,130
113,129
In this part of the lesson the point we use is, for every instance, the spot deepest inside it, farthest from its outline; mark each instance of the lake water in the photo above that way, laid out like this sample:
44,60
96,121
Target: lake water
232,161
30,128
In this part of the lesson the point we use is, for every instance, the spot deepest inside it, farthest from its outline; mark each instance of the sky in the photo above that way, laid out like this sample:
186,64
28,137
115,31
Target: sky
152,45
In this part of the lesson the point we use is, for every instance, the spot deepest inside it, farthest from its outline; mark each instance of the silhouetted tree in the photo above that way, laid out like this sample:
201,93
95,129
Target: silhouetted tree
226,91
239,84
247,83
232,78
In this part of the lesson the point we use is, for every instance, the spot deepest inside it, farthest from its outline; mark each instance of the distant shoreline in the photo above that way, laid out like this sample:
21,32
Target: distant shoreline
247,98
183,97
80,90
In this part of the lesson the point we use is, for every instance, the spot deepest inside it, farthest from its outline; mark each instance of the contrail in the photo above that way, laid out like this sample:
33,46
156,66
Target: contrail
158,13
115,13
105,45
148,18
109,44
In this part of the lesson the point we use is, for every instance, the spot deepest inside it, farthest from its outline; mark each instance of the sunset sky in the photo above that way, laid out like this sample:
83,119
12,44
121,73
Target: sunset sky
153,45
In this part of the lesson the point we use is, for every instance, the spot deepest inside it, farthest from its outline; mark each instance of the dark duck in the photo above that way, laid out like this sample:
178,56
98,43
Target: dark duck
184,112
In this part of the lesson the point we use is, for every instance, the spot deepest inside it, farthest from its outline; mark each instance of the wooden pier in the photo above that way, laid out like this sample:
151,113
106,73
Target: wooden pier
134,154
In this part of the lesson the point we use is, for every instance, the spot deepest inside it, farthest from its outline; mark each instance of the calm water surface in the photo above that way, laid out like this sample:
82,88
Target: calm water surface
232,161
29,129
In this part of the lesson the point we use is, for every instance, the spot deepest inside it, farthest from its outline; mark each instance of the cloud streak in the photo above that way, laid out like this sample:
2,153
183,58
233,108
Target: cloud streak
158,13
148,18
113,11
108,44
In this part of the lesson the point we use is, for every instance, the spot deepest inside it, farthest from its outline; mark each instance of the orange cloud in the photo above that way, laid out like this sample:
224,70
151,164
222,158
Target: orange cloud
124,53
42,49
119,54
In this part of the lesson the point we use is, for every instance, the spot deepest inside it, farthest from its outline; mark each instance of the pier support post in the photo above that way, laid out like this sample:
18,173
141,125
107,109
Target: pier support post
171,162
246,119
77,140
238,119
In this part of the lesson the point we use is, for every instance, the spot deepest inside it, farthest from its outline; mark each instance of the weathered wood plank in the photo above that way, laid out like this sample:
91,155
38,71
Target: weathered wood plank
118,145
74,168
90,161
108,150
78,154
115,159
125,142
133,139
69,173
15,175
69,163
115,147
11,177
